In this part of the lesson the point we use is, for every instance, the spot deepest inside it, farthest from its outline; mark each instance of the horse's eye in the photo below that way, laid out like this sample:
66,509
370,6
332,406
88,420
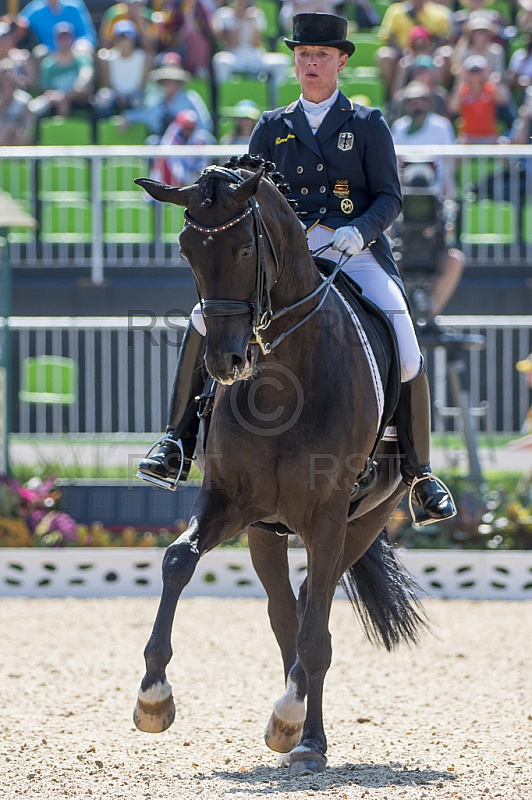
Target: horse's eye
247,250
184,255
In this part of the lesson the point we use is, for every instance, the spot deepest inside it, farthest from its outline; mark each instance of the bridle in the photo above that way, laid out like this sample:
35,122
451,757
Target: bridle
260,307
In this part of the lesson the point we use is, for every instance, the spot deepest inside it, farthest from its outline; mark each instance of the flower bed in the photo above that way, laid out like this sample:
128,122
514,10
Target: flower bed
121,515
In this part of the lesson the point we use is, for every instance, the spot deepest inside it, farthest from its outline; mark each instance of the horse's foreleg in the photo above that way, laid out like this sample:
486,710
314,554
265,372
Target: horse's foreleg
269,556
324,550
210,524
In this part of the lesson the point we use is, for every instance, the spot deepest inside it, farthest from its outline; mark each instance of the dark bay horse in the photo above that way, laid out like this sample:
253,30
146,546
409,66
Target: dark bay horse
295,417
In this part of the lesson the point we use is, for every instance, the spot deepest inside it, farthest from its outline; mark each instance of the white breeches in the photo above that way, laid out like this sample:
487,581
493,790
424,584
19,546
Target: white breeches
381,290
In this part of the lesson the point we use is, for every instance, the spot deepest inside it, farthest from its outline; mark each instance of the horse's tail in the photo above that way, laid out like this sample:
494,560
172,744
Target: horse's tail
384,596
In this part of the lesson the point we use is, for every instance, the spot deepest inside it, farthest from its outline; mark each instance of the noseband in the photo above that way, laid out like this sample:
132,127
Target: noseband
260,308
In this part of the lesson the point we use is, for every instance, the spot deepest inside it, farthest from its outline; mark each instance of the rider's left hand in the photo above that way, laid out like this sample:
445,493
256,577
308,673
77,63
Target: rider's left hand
348,240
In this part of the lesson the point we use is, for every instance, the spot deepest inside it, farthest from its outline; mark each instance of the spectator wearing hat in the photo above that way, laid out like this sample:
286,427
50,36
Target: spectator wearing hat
65,77
397,24
245,114
420,126
183,170
478,102
136,12
187,30
171,79
239,29
123,72
423,70
478,40
44,15
15,116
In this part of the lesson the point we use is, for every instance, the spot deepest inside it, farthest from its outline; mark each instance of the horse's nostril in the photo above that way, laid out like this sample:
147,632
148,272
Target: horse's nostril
236,361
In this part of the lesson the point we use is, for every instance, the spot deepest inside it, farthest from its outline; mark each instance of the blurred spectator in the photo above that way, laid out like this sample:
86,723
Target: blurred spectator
124,72
239,29
461,17
520,66
178,170
15,117
524,15
421,126
172,81
246,114
10,32
290,8
477,40
65,77
136,12
423,70
478,102
397,23
522,130
44,15
187,30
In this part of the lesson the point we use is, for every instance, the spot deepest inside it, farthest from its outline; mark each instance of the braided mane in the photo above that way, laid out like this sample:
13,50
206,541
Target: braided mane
254,163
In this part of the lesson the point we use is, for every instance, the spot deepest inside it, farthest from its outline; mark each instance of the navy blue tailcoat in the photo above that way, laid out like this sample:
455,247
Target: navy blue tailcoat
352,153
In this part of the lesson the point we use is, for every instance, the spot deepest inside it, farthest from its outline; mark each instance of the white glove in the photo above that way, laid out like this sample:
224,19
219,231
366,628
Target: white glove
348,240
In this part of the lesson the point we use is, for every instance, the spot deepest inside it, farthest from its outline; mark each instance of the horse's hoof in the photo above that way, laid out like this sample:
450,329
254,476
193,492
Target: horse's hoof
303,761
154,711
282,736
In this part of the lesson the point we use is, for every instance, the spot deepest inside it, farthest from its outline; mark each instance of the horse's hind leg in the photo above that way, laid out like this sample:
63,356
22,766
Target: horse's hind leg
269,556
211,523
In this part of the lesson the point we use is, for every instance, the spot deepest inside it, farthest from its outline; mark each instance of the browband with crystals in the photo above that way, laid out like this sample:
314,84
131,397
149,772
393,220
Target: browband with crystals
218,228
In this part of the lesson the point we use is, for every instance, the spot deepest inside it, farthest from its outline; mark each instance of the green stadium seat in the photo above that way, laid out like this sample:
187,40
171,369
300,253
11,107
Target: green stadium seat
526,225
61,131
16,178
171,222
128,223
65,176
371,87
231,92
203,87
66,220
287,92
109,132
118,175
49,379
367,45
270,8
488,222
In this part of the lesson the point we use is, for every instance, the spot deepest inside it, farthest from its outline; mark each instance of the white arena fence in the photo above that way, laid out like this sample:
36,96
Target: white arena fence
228,572
125,369
91,214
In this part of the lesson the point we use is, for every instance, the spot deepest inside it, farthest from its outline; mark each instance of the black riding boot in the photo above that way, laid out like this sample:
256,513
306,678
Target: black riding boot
413,428
172,459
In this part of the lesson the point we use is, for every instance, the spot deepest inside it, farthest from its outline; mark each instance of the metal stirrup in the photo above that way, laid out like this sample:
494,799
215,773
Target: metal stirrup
428,476
165,483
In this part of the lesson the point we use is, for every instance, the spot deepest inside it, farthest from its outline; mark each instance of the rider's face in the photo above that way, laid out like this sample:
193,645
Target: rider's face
317,70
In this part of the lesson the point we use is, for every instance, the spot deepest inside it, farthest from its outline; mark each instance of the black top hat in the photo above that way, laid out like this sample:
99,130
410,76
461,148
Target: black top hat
325,29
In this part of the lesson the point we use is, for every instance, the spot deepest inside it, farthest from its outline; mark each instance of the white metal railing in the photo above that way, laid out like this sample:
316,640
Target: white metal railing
126,367
86,220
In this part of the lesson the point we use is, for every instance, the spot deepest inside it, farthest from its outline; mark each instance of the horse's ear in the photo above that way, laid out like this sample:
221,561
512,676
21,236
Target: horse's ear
247,189
164,193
